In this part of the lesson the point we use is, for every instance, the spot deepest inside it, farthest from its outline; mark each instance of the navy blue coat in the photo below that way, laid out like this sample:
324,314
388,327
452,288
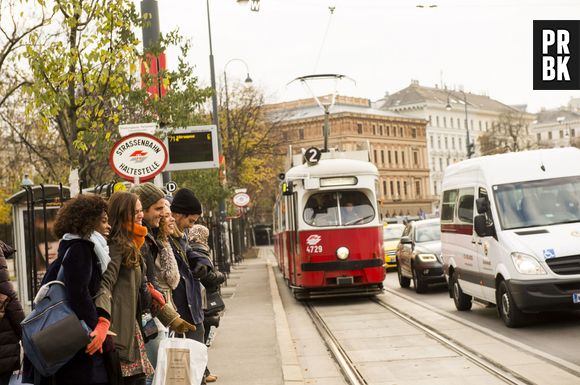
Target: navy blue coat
187,295
82,278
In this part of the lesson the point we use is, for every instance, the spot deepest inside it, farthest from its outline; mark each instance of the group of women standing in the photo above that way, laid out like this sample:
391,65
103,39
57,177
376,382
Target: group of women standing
105,279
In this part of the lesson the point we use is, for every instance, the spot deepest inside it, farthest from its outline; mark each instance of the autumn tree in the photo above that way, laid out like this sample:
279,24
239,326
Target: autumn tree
510,133
80,69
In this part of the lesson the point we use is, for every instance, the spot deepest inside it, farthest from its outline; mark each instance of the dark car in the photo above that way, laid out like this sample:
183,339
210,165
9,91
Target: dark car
419,255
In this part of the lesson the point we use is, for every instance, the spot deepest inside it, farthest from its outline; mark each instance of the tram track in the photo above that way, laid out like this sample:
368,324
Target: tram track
354,377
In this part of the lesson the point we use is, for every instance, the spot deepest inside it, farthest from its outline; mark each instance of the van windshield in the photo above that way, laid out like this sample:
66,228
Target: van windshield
538,203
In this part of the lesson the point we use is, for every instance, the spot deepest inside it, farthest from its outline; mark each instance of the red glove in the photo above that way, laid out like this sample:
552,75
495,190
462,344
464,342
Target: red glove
157,296
99,335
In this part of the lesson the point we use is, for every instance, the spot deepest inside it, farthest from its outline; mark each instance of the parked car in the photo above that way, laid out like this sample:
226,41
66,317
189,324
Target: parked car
419,255
392,233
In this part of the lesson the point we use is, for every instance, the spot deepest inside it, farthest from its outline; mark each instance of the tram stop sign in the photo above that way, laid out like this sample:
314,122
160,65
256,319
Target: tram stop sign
241,199
138,157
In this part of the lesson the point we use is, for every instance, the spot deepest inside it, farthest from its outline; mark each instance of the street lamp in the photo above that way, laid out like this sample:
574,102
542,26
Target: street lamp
468,145
247,81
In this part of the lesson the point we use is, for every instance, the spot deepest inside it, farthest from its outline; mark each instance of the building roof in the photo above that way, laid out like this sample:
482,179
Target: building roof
315,111
555,116
417,94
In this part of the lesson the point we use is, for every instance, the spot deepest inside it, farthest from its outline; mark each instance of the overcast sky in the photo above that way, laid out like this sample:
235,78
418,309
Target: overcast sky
483,45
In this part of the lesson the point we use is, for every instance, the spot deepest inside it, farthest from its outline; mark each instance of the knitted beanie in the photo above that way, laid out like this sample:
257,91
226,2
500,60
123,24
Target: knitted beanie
185,202
198,234
148,194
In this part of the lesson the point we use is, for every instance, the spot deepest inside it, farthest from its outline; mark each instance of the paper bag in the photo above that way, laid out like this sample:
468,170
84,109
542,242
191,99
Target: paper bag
180,361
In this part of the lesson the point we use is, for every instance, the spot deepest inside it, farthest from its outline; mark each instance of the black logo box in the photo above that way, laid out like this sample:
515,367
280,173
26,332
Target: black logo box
573,64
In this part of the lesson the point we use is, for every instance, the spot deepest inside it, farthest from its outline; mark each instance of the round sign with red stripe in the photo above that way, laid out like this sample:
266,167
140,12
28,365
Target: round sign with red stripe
241,199
138,155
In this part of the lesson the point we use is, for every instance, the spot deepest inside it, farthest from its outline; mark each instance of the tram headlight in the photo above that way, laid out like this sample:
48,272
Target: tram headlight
342,253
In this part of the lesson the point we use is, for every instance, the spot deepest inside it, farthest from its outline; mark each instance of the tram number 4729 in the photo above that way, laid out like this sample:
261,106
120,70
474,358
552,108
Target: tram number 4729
314,249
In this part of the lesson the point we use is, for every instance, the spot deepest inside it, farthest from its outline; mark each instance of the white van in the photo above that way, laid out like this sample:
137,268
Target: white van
510,232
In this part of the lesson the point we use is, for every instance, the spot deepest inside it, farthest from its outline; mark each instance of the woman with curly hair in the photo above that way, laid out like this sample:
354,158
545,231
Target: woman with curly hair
75,221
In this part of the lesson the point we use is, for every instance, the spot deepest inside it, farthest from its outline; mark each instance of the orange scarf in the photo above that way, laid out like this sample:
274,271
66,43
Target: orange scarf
138,233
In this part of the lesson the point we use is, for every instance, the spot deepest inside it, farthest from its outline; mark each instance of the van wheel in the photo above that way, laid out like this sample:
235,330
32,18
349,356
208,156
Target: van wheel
420,286
462,301
403,281
512,316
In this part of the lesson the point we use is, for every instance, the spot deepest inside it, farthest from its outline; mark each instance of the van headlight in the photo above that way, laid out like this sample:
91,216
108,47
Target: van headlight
526,264
427,257
342,253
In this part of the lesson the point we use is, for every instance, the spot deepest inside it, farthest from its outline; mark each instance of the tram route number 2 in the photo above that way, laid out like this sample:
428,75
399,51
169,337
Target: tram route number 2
314,249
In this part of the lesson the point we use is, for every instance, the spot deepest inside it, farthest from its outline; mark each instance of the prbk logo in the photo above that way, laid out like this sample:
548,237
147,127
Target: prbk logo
313,239
556,54
138,156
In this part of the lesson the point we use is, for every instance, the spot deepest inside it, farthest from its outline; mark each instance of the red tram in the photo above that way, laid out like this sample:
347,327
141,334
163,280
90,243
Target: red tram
327,233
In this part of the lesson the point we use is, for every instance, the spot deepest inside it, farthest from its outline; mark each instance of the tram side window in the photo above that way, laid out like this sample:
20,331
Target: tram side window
321,210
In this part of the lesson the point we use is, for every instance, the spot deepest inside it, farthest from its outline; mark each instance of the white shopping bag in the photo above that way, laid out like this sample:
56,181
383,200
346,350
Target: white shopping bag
180,361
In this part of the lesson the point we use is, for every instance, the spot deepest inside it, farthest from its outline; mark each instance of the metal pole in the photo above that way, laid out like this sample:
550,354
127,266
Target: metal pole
326,126
229,129
466,127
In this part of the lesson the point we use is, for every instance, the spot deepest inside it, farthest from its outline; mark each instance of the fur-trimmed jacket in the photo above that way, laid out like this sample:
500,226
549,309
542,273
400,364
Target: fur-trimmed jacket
11,314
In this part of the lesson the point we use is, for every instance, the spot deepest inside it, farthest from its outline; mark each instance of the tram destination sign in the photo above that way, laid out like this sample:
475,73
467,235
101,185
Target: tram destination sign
138,157
192,148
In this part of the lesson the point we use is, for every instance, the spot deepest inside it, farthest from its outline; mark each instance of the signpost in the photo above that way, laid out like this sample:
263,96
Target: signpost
138,157
241,199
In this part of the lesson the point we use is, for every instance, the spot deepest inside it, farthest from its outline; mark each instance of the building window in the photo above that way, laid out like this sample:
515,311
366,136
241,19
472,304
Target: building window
415,158
417,188
444,121
394,131
550,135
459,123
453,143
472,124
429,119
405,188
440,164
573,132
285,136
439,142
561,134
401,131
301,133
431,140
359,128
399,188
388,130
413,132
392,188
375,153
459,143
435,188
383,156
374,130
396,157
437,121
384,187
446,144
448,161
451,122
480,125
486,126
403,157
381,130
389,156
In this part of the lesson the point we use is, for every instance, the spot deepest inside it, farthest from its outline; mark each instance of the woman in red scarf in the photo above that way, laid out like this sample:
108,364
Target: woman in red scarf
118,300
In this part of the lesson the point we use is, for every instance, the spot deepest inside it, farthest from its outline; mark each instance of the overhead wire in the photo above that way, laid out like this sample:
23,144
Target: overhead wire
331,9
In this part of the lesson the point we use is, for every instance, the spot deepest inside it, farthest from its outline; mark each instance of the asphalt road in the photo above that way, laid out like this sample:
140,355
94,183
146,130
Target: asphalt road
557,334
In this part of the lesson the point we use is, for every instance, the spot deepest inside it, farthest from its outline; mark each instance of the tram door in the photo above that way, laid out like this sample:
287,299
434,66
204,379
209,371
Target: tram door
293,246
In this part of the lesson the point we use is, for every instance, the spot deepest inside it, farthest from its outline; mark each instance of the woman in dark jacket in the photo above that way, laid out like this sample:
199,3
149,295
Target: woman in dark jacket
75,222
11,315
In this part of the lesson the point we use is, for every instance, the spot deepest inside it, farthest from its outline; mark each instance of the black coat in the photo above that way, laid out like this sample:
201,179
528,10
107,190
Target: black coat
10,330
214,278
82,279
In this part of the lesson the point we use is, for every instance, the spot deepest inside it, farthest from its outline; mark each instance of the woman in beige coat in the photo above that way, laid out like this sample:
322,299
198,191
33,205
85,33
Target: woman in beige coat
118,300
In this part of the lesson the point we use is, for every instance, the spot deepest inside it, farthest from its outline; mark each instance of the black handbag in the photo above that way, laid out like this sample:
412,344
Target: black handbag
215,303
146,321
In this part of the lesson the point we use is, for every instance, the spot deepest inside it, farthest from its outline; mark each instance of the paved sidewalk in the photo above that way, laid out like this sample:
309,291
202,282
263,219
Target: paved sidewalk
253,343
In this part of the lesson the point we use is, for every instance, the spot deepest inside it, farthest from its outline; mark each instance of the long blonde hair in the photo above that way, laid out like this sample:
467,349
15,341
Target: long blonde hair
121,218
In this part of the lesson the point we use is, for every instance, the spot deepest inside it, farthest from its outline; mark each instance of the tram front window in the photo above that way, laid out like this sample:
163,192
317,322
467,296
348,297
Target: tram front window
338,208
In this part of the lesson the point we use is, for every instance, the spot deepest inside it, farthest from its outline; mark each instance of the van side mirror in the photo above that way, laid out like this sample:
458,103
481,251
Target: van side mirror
482,205
406,240
480,225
